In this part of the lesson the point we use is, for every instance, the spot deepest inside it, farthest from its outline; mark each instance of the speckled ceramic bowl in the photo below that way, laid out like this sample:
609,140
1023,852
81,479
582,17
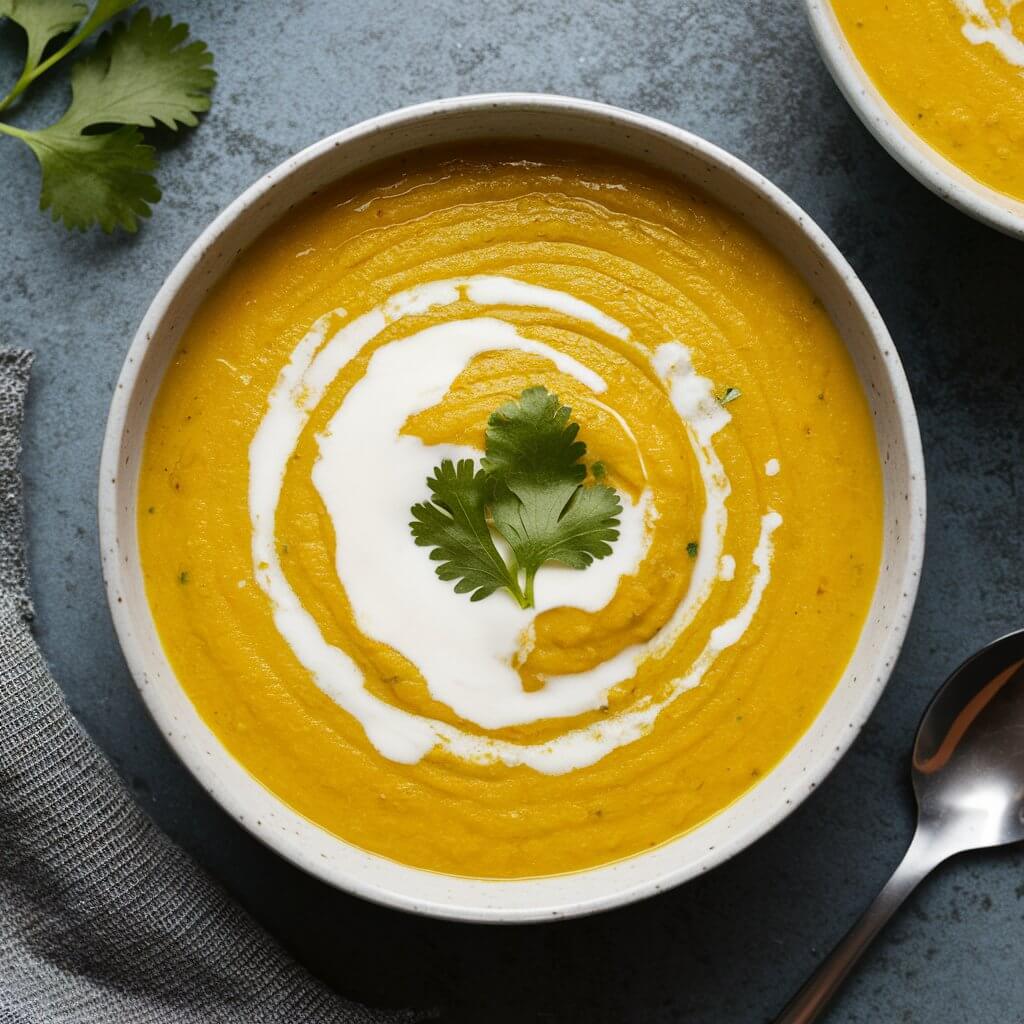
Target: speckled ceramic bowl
735,185
930,167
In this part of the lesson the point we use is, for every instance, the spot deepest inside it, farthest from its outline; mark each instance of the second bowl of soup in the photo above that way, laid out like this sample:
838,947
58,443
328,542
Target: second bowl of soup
940,83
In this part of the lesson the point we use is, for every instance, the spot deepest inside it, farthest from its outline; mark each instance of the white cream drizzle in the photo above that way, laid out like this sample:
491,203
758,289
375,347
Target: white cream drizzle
730,631
982,27
466,651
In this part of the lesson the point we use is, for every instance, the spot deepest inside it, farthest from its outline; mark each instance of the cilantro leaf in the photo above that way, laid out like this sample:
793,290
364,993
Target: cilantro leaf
454,524
534,435
140,73
90,179
532,482
540,530
540,505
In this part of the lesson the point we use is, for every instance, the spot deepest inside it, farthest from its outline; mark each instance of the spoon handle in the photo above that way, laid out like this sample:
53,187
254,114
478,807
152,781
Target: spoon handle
923,855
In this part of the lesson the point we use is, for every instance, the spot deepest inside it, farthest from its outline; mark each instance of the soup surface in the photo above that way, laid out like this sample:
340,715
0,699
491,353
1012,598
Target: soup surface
369,335
954,72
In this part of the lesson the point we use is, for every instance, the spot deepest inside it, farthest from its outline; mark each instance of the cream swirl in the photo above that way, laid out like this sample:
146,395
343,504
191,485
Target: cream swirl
982,27
467,652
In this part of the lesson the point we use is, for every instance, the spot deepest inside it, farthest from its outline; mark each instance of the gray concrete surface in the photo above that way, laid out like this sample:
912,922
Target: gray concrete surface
730,947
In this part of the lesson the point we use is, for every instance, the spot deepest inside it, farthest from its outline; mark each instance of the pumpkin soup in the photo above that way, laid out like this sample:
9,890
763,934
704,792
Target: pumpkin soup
426,612
953,70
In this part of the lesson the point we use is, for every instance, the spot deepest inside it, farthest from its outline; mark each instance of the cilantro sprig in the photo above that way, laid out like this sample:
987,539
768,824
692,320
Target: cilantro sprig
96,168
531,488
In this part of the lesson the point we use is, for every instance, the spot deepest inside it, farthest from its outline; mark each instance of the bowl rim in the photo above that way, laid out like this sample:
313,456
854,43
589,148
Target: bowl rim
467,906
933,170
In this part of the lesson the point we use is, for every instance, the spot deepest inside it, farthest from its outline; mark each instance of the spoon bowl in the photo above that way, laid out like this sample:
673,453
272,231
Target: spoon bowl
968,774
968,765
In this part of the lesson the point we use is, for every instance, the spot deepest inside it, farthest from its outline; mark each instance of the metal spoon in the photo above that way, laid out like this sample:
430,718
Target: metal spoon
968,771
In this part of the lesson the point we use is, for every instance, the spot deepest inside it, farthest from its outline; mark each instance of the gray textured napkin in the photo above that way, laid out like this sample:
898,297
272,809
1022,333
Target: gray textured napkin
103,920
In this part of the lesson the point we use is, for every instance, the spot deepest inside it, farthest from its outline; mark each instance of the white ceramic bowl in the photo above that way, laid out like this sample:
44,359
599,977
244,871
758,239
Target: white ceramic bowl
930,167
562,120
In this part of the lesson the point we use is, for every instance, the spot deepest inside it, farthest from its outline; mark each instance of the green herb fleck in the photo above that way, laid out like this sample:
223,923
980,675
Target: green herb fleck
531,488
729,395
599,470
183,576
692,549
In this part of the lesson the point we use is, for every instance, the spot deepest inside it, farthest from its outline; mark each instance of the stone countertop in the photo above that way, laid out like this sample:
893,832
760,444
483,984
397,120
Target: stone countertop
731,946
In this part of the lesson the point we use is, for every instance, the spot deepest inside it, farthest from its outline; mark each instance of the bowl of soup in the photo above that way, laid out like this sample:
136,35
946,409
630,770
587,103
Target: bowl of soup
940,83
511,506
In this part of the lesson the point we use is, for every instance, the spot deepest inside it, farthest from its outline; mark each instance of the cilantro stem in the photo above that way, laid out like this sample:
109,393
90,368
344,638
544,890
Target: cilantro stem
529,588
523,600
9,129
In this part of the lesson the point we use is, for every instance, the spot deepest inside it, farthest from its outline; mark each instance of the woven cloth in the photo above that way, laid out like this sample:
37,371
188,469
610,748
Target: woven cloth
103,920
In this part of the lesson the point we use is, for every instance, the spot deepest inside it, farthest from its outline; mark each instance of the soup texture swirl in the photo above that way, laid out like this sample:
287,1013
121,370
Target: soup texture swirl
368,336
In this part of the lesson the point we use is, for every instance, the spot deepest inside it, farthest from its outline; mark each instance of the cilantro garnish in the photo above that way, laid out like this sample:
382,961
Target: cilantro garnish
96,168
729,395
531,482
454,524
